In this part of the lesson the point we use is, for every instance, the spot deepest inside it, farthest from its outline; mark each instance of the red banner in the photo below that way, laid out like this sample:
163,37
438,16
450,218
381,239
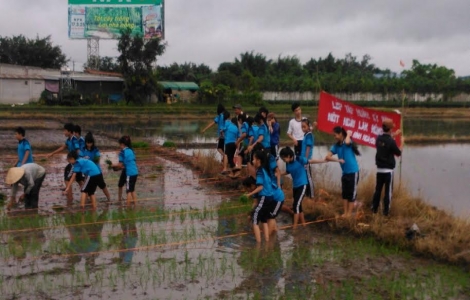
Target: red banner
365,123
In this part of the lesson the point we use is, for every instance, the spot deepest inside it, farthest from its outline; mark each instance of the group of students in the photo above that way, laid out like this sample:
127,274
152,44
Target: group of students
83,167
255,142
242,141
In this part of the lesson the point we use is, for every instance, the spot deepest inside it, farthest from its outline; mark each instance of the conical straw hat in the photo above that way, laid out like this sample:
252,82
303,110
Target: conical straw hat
14,175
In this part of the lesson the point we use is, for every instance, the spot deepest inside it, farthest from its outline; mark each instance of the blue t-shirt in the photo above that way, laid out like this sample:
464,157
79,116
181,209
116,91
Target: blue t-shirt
219,120
275,135
264,131
297,170
309,140
231,133
245,129
127,158
253,132
92,154
81,143
346,152
24,146
273,166
262,178
87,167
278,194
72,144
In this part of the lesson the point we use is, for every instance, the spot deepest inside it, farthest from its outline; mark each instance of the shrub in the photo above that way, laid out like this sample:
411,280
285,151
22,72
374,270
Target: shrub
140,145
169,144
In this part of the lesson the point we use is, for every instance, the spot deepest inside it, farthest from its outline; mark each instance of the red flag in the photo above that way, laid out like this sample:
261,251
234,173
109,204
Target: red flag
402,63
365,123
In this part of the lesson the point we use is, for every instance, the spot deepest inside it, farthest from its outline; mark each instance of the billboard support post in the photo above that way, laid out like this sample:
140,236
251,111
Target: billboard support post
93,53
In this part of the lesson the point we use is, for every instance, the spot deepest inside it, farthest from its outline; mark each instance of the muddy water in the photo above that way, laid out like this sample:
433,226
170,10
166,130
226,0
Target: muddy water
185,240
188,241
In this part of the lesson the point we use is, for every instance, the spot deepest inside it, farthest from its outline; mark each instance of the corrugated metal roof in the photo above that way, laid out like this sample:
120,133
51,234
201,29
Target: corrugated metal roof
57,77
96,78
23,77
180,86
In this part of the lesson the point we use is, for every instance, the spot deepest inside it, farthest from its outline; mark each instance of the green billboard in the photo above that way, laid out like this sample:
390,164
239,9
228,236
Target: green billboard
105,19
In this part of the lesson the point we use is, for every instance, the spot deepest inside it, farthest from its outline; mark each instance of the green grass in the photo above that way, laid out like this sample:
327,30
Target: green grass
140,145
169,144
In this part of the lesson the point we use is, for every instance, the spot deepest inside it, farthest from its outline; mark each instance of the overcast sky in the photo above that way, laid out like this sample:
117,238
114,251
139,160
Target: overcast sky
214,31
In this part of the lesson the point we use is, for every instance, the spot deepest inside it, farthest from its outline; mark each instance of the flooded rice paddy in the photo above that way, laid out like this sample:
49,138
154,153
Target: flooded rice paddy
189,238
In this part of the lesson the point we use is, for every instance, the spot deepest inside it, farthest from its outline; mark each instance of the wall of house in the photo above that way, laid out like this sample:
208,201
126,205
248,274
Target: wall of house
27,71
17,91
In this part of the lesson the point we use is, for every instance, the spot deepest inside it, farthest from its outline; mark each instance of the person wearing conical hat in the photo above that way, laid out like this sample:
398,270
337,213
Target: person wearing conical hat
30,176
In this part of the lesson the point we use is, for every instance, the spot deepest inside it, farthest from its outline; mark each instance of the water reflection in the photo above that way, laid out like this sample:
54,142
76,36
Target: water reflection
84,231
129,236
264,266
21,242
298,280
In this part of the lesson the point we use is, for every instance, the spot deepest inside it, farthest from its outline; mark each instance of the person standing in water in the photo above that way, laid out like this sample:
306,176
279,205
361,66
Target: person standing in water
346,150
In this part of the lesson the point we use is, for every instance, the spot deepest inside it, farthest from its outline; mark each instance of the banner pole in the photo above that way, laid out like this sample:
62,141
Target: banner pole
402,134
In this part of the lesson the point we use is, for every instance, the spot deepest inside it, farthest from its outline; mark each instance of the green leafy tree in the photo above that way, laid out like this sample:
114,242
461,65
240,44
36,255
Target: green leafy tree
430,78
105,63
38,52
257,63
211,94
136,59
185,72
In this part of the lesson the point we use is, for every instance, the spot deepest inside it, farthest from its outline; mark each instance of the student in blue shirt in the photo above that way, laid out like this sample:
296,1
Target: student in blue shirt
94,178
127,162
92,153
263,193
307,152
25,153
219,120
346,151
71,145
243,140
231,133
81,141
277,184
275,132
278,194
252,136
264,137
295,167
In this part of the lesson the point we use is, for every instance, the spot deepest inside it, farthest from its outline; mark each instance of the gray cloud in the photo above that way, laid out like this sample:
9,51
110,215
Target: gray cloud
210,31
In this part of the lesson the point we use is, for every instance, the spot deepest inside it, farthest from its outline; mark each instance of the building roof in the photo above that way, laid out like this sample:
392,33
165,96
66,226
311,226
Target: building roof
87,78
180,86
22,77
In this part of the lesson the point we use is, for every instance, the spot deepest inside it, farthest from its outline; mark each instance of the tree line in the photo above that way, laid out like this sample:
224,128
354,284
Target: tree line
253,72
247,75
